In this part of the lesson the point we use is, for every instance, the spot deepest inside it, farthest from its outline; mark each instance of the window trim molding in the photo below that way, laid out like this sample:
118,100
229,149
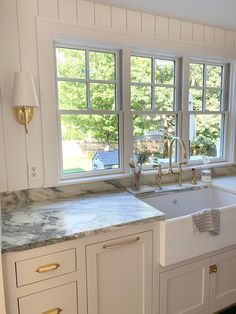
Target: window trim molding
48,31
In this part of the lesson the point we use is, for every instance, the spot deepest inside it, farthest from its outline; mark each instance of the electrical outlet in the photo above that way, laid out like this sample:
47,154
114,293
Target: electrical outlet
33,172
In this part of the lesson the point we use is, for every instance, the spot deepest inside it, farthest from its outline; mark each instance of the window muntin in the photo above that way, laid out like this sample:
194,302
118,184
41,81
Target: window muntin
206,110
89,116
88,98
153,91
152,83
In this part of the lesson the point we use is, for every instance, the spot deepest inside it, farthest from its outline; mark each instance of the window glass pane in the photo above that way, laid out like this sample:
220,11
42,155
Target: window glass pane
213,100
152,134
196,74
71,95
164,98
141,69
214,76
140,97
195,99
102,66
205,135
102,96
89,142
70,63
164,71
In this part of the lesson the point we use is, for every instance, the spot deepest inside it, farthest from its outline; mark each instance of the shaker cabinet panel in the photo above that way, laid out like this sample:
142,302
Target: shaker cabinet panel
119,274
223,282
185,289
62,299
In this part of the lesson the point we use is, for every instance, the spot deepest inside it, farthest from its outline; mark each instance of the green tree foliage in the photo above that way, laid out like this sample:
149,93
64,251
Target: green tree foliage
73,95
75,67
207,126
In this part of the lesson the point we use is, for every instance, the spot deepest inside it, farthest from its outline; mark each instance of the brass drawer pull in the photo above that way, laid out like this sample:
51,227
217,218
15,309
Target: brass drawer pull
213,269
53,311
46,268
120,244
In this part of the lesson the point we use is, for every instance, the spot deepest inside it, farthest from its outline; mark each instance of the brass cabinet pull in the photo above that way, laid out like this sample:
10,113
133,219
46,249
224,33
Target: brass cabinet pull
213,269
46,268
53,311
119,244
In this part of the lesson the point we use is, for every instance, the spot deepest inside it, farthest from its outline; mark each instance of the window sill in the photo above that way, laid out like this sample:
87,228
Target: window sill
149,172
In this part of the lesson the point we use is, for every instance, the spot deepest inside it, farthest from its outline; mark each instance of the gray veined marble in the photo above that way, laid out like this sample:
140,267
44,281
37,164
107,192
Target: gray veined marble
42,223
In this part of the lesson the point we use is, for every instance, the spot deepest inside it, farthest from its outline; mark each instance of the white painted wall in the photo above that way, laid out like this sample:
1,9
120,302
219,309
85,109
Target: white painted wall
19,50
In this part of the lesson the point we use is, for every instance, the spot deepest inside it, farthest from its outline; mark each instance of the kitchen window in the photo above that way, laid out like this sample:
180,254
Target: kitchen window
207,109
112,105
88,111
153,106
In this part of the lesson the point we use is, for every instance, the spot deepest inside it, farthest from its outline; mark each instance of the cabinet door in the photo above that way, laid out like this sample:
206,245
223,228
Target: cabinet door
223,282
185,289
119,275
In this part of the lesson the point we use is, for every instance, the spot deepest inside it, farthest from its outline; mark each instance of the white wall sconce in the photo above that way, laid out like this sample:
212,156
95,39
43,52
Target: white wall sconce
24,98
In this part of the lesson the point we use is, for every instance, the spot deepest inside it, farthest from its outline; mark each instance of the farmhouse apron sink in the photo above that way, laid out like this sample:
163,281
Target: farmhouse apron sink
178,242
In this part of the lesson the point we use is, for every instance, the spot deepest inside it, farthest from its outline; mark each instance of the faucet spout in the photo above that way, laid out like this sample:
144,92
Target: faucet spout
179,171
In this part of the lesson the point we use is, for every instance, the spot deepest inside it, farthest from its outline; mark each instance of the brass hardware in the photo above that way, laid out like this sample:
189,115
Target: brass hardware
23,115
120,244
193,180
159,176
213,269
47,268
53,311
179,171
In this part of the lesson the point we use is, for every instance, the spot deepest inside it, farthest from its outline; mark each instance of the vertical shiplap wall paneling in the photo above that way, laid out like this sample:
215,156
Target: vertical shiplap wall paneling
48,9
27,12
229,40
198,34
3,169
85,13
134,22
186,31
209,36
68,11
14,133
162,27
174,29
102,16
119,19
148,24
219,38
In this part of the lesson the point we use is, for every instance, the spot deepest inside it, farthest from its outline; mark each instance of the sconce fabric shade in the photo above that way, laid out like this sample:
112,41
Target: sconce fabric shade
24,98
24,92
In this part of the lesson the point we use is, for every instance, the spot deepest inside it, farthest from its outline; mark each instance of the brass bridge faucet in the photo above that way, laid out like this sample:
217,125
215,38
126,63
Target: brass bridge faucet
179,171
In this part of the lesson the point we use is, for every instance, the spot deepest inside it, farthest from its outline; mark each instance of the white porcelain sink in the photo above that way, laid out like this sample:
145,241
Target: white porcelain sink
178,242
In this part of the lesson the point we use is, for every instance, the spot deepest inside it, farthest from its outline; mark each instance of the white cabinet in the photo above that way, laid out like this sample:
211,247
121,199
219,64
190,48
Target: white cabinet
223,282
185,289
62,299
205,286
119,274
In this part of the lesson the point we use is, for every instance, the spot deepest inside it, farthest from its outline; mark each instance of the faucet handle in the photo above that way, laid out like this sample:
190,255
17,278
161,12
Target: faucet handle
193,180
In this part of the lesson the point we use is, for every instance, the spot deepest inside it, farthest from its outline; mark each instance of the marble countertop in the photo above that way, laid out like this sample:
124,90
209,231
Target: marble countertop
47,222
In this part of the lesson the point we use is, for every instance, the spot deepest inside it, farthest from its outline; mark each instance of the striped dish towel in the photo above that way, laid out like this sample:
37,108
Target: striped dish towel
207,220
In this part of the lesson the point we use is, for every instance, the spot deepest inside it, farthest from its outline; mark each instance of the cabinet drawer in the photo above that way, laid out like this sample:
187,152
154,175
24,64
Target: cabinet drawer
45,267
62,299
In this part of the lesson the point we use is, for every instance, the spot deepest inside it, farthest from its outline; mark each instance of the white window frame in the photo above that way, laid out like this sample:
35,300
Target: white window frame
116,112
125,114
223,110
177,95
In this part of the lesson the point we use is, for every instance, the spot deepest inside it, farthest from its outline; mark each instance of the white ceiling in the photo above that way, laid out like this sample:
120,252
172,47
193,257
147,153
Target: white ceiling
221,13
